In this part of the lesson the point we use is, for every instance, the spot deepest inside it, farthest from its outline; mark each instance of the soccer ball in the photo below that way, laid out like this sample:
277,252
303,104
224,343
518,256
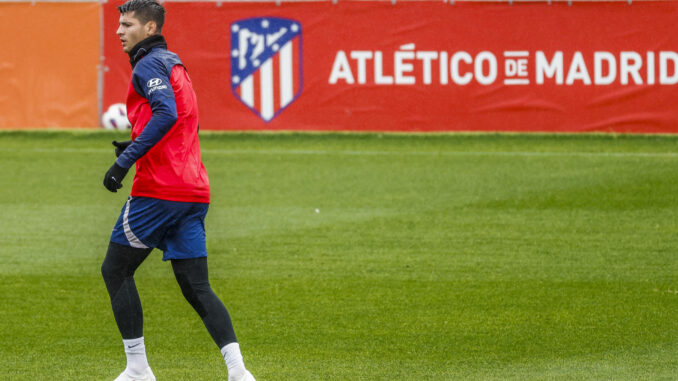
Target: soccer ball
115,118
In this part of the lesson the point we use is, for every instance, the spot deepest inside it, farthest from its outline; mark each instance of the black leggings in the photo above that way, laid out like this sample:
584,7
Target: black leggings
118,271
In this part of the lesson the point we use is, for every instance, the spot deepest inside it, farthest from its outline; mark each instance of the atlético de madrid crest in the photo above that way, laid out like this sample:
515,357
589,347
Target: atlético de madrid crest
266,72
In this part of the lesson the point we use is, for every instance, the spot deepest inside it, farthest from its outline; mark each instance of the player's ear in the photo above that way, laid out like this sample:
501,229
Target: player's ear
151,28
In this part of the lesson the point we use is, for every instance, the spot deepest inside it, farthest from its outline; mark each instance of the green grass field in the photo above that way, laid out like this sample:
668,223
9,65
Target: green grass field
361,257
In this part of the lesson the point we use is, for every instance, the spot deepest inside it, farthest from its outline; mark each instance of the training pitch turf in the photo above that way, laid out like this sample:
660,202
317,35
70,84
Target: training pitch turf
361,257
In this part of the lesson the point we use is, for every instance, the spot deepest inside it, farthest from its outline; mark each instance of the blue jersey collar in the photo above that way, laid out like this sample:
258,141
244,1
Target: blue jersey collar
144,46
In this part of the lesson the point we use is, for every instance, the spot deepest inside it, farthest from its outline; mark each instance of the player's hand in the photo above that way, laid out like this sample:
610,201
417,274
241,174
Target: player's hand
120,147
114,176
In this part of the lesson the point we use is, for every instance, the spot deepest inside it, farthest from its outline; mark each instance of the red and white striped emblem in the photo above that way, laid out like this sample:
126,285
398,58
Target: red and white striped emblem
266,64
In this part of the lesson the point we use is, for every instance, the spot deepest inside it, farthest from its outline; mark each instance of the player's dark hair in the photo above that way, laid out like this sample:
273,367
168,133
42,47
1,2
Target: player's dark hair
145,11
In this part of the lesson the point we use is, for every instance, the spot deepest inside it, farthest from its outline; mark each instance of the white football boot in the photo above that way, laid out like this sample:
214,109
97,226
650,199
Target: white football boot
247,377
147,376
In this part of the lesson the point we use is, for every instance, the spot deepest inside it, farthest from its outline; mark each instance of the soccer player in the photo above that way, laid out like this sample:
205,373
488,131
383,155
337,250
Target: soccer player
170,194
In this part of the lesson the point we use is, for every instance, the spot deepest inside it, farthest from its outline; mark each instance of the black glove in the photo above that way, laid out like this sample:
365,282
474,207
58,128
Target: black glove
120,147
114,176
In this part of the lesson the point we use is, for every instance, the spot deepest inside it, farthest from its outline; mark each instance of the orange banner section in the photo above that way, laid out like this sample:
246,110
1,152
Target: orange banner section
49,57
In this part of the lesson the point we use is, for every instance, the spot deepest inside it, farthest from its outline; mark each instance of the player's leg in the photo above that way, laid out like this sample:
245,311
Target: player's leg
191,274
141,221
186,246
118,271
193,279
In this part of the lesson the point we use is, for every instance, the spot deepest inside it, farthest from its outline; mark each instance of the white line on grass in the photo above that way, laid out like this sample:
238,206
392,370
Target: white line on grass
56,149
212,151
441,153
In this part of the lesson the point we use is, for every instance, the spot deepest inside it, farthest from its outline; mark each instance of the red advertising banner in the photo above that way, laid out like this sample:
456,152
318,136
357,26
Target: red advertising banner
422,66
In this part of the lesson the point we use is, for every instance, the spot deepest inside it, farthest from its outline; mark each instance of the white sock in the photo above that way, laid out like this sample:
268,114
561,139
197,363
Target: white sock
234,362
136,356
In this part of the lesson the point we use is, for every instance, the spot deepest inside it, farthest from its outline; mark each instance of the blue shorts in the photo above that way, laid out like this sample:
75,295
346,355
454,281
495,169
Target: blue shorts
176,228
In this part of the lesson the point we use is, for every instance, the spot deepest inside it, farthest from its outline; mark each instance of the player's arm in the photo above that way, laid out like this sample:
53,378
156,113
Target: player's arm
152,81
